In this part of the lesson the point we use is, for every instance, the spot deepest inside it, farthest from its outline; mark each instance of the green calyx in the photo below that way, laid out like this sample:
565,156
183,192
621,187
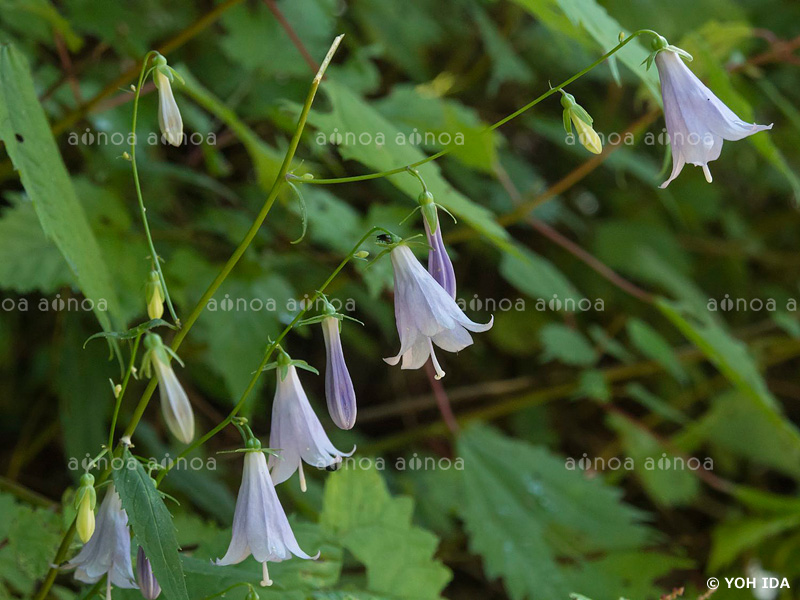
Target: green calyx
86,492
156,350
285,361
573,110
660,44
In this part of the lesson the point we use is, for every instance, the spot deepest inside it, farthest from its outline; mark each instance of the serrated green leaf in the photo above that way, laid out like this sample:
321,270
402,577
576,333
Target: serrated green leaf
26,133
359,513
525,515
152,525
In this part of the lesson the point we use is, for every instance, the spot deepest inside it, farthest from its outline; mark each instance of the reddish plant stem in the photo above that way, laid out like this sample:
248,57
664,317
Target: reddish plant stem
442,400
287,27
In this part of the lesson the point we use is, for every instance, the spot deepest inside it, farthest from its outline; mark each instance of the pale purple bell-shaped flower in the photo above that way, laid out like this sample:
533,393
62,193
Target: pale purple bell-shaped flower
697,121
260,526
148,584
339,392
109,549
296,433
426,314
439,263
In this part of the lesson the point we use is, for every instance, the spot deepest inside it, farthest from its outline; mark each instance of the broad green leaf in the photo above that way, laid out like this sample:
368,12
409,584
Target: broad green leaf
376,528
728,354
567,345
28,260
28,540
536,276
650,343
530,515
152,525
362,134
738,427
33,151
666,486
576,18
733,538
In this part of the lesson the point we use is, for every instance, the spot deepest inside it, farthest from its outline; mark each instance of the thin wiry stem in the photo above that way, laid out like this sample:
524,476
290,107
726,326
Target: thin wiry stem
490,128
201,304
142,207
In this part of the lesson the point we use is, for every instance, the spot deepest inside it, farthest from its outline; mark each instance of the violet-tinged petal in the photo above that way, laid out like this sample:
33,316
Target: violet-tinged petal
148,585
425,312
339,392
439,264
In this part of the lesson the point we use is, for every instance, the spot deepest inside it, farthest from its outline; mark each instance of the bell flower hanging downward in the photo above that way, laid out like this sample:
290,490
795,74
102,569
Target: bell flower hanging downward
109,549
426,314
169,116
296,433
697,121
174,403
339,392
439,264
260,526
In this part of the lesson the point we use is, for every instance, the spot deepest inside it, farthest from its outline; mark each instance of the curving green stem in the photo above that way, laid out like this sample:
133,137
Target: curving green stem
142,208
490,128
268,354
122,391
240,250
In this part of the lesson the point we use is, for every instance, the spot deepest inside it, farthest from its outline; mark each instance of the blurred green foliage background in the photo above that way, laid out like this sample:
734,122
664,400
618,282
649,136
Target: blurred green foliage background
689,346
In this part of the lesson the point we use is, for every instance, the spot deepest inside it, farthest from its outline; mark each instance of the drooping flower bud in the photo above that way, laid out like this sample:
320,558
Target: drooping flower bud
575,114
85,500
175,404
148,584
339,392
154,295
169,117
439,263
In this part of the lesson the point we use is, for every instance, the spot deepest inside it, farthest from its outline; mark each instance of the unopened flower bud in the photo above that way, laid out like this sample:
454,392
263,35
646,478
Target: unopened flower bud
148,584
154,294
574,114
169,116
361,254
85,500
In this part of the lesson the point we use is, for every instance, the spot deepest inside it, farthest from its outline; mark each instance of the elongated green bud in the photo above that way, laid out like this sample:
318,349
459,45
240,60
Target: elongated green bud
85,501
154,295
